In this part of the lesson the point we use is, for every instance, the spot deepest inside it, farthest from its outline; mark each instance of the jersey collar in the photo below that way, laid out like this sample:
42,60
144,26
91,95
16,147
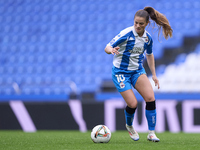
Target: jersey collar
135,33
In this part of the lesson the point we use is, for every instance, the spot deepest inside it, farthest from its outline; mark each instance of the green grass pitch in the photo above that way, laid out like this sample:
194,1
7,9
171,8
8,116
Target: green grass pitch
75,140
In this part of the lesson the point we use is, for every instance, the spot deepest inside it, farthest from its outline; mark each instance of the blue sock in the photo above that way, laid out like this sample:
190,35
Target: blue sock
129,118
151,119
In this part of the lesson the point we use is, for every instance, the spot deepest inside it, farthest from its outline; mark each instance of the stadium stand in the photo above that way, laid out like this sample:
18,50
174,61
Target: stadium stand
57,47
182,75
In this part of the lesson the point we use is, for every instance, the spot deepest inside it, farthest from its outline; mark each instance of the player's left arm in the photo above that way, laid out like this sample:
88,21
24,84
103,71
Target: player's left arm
151,64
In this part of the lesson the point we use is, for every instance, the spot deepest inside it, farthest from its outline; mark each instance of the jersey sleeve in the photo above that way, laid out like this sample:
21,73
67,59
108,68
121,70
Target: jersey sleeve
149,47
118,39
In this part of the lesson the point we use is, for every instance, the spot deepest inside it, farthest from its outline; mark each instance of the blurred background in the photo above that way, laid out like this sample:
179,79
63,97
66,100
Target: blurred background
52,51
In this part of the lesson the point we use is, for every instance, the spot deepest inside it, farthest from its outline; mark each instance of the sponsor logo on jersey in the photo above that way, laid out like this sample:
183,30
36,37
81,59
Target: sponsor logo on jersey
137,50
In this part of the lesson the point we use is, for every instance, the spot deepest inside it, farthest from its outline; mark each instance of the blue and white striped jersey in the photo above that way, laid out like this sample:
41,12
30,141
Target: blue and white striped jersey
132,48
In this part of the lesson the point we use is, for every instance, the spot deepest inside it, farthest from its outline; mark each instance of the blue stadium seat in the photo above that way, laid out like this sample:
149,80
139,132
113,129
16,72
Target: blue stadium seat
160,70
197,50
180,58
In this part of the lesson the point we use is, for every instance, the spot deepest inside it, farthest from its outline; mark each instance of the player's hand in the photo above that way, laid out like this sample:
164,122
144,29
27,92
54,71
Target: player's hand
115,50
156,81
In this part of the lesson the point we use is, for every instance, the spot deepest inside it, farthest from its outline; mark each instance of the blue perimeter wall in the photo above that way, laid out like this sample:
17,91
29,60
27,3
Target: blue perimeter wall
158,96
99,97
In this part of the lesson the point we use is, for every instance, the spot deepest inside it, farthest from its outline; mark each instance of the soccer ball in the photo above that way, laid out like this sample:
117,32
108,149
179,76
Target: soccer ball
100,134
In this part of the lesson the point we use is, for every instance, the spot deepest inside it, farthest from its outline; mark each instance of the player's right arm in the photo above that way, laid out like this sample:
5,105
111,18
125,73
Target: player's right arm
113,46
111,50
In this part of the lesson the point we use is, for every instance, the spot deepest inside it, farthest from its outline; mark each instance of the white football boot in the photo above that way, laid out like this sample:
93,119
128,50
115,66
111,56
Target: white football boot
133,134
152,137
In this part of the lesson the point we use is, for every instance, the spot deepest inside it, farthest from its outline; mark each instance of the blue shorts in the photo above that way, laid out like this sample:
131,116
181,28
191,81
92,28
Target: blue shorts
123,79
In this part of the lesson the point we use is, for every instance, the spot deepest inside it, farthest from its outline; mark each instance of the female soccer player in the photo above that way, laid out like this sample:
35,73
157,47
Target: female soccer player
128,48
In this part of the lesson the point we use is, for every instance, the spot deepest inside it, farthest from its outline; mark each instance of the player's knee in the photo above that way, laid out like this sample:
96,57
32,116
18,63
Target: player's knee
149,98
132,105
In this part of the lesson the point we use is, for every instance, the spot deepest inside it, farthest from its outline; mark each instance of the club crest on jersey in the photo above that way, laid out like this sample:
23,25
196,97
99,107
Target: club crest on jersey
146,39
122,85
